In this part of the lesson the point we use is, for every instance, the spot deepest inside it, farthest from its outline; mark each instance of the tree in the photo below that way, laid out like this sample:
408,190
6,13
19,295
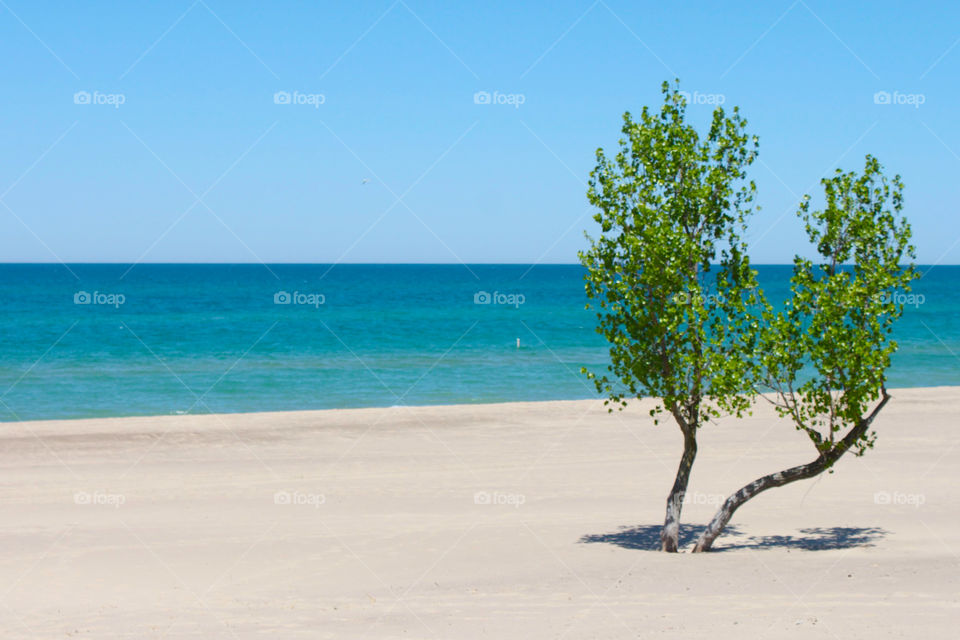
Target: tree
826,352
669,276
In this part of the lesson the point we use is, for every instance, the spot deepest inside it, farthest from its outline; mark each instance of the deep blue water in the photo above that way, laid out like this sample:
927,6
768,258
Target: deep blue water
202,338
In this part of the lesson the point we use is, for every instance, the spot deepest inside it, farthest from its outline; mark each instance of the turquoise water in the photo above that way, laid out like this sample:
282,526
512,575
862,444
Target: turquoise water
167,339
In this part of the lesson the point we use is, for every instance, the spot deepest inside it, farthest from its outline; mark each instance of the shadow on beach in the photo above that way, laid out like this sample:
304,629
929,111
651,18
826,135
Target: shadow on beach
647,538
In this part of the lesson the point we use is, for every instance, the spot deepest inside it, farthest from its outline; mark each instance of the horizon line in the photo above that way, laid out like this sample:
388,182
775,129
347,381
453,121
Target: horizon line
334,264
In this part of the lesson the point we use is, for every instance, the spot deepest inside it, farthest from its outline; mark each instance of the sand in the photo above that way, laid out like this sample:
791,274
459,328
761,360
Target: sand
530,520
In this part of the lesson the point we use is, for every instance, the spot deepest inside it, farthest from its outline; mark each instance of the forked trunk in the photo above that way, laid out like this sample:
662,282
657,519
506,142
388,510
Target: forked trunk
670,534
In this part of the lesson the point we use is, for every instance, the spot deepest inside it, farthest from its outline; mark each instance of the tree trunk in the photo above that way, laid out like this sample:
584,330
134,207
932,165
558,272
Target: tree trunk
670,534
731,504
824,461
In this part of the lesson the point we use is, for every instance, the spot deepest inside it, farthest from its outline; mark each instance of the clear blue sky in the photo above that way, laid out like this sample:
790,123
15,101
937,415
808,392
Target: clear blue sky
200,164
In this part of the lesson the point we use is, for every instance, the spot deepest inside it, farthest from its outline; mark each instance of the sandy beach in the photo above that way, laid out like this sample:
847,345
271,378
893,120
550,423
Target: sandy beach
529,520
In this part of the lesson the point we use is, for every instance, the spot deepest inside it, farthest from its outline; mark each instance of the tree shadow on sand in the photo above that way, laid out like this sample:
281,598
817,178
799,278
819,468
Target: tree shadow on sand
647,538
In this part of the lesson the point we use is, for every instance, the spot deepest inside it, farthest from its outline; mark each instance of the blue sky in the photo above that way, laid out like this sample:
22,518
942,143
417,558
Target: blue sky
399,163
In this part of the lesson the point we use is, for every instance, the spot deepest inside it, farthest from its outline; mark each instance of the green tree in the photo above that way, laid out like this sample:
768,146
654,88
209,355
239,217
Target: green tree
826,352
669,276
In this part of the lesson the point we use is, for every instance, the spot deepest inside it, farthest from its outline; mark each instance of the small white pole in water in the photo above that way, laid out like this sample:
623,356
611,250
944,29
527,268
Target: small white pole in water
518,343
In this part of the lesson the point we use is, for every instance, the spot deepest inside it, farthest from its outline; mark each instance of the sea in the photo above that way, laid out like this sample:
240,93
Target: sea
98,340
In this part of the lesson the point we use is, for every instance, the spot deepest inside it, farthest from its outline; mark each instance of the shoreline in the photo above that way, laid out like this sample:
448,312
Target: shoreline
305,413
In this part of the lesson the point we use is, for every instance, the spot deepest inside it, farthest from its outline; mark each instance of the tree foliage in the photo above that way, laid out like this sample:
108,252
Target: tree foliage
669,275
827,352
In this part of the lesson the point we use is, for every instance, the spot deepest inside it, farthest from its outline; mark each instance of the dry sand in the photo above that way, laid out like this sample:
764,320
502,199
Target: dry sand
528,520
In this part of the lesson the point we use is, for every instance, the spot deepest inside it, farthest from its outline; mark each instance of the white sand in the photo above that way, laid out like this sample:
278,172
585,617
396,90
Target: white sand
182,536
